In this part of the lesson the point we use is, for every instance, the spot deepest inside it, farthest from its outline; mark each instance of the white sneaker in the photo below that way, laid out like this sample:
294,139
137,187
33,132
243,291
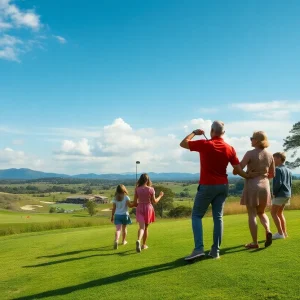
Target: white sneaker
286,235
278,236
124,243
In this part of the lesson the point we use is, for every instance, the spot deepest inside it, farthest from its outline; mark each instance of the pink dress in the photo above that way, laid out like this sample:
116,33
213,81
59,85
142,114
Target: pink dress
257,190
145,211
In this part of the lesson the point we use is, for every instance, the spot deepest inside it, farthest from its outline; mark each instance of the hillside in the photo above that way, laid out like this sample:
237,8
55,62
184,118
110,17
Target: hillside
27,174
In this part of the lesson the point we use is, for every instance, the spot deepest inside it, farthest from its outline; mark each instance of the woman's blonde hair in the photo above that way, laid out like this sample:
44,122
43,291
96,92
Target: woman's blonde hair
262,139
121,191
144,179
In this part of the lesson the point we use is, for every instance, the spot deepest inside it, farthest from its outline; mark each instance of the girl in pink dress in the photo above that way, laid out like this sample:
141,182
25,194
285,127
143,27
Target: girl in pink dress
144,197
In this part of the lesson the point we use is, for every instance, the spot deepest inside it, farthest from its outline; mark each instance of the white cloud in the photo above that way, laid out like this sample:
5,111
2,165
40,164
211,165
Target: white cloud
8,40
5,26
10,158
80,148
60,39
8,47
14,19
276,110
275,115
199,124
116,147
278,129
9,53
272,105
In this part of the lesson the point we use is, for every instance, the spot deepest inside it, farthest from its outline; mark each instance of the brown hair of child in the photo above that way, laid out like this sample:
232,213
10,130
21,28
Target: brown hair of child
121,191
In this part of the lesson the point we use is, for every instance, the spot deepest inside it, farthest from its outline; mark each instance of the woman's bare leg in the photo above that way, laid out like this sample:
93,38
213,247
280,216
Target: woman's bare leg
264,219
252,223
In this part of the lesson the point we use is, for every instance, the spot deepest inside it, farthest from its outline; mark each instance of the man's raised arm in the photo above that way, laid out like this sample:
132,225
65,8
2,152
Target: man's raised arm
185,142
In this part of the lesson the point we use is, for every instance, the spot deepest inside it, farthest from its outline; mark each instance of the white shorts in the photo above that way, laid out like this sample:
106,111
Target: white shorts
281,201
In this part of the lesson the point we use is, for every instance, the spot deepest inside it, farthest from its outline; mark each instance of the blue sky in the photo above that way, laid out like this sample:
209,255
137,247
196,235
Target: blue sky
92,88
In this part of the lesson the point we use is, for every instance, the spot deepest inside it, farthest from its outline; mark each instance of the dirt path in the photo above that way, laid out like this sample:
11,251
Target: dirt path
106,209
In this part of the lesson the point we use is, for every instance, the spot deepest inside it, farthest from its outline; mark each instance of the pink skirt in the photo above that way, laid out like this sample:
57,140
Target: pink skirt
145,213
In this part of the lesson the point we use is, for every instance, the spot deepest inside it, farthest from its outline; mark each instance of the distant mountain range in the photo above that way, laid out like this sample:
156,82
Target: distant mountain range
27,174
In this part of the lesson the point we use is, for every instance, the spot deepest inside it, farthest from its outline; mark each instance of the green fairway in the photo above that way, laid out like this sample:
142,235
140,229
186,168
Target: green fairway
8,217
20,222
80,264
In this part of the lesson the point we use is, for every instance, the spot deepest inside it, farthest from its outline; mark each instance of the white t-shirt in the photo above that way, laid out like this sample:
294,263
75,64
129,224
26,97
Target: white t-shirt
121,206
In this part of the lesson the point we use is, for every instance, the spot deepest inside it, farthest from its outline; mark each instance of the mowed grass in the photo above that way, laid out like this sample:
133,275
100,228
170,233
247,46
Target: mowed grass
80,264
20,222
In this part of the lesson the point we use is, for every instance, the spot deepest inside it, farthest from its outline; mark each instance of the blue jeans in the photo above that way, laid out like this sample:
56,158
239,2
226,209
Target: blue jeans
206,195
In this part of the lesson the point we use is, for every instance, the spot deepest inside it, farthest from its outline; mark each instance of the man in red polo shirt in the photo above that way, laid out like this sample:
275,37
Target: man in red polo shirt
215,155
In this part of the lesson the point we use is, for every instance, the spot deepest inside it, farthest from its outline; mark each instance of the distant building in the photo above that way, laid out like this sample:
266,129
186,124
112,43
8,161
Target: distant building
82,199
79,199
101,199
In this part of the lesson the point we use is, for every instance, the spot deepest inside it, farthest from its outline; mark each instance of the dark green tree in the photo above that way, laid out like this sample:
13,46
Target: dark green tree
180,212
166,202
292,142
88,191
239,186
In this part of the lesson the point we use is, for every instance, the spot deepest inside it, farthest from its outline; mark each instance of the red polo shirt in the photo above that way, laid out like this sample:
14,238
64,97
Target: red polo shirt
215,155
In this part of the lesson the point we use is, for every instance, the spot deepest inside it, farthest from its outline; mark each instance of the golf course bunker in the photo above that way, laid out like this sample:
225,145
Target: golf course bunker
47,202
106,209
30,207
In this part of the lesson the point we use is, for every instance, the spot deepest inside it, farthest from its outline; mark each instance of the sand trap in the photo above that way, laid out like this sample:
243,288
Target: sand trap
106,209
46,202
30,207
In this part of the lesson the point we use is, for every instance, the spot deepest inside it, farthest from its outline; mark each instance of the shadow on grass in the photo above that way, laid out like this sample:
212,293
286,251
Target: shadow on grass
50,263
106,248
258,250
108,280
239,248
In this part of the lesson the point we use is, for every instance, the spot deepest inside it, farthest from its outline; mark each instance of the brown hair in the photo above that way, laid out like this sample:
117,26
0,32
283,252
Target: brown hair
262,139
280,155
121,191
144,179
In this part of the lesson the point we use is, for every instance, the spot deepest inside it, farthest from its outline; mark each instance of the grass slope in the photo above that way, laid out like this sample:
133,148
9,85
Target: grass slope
80,264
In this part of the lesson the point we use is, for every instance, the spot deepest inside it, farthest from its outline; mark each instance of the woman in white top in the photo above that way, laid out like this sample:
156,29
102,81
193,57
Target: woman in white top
120,216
